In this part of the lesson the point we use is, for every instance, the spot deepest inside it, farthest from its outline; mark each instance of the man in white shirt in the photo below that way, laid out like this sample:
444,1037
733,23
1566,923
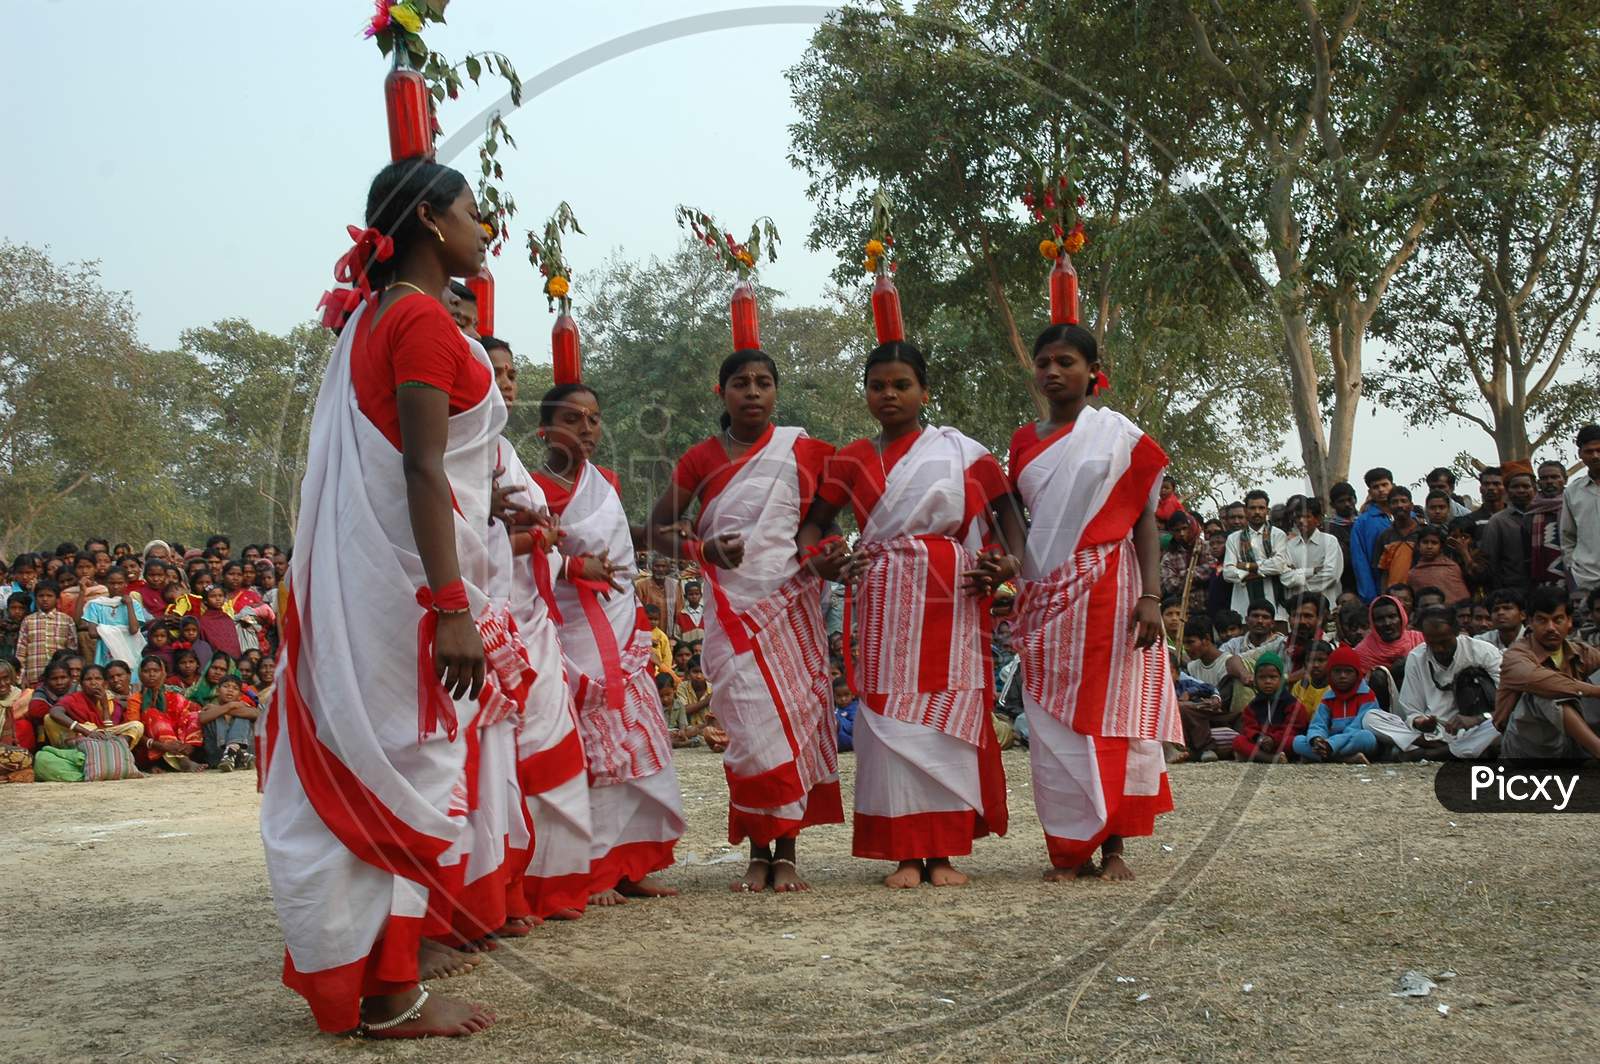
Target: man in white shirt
1426,720
1259,635
1254,556
1508,609
1580,515
1313,560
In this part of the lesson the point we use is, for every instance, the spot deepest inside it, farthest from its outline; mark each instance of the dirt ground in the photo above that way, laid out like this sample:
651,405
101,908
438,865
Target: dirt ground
1277,908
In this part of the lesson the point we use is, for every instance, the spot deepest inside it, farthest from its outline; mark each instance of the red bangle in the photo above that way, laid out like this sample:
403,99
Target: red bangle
452,598
693,551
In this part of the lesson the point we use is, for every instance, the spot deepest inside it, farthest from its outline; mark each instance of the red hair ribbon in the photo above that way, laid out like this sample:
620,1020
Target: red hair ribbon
434,708
368,246
819,547
1102,383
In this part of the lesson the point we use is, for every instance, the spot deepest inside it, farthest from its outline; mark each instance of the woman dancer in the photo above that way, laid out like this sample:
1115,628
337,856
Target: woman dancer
765,648
1096,683
368,774
635,810
928,773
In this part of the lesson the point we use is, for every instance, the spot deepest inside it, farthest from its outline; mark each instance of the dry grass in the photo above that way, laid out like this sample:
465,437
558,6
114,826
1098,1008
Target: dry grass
138,928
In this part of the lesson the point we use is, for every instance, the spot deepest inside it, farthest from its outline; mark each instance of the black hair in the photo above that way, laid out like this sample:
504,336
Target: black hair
64,549
1548,462
1321,646
1589,433
218,540
233,564
1435,531
1257,493
1228,619
1442,471
25,561
694,663
1377,473
45,584
1437,494
156,564
1344,487
664,678
490,343
1076,337
1294,605
1491,471
1508,596
208,554
1548,600
1463,523
1179,519
148,658
1311,505
1392,588
1171,601
1356,611
1199,628
1429,589
1261,607
91,667
54,664
733,364
1400,489
461,291
392,201
897,351
556,397
1441,614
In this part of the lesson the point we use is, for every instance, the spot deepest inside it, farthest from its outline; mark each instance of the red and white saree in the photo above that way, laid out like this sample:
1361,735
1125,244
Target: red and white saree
1098,706
766,650
636,812
928,772
550,762
369,771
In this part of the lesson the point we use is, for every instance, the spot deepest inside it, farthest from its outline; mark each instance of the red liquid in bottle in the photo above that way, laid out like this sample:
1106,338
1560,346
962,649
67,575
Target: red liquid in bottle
406,100
483,287
746,329
886,311
565,365
1063,291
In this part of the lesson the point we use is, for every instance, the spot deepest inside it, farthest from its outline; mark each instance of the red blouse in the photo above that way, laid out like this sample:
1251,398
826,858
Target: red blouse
854,474
705,469
415,342
557,494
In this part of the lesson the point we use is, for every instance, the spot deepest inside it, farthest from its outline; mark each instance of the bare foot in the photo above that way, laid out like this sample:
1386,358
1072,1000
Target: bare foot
648,887
1112,866
606,898
518,927
941,873
479,945
908,875
1357,759
786,877
435,960
565,914
441,1016
1086,870
755,877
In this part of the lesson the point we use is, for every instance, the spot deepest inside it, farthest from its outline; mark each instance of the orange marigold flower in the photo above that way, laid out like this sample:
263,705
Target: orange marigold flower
1048,248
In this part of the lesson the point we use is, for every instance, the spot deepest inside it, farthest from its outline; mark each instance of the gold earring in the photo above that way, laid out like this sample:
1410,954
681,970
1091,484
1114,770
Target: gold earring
439,235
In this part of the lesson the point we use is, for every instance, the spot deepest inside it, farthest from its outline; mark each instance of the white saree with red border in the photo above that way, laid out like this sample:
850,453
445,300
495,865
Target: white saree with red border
370,775
1098,706
928,773
766,654
635,809
550,763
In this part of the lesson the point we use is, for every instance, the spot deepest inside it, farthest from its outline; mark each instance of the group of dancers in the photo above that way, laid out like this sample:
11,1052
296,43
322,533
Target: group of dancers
512,763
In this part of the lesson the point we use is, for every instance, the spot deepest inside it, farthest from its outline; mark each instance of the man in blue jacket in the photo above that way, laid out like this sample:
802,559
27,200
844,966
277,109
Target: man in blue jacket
1372,523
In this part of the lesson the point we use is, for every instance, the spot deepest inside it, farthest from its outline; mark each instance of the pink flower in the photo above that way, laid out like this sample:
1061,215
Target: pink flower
380,19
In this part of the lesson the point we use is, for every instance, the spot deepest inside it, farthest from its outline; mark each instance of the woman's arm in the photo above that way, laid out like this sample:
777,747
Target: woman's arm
424,425
1147,549
663,535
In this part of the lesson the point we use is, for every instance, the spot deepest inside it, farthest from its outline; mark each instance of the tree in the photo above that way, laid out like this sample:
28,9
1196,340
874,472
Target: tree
955,110
86,427
1497,307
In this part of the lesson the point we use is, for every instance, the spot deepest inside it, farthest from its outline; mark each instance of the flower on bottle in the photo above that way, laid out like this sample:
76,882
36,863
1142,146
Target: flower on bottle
874,249
558,287
407,17
870,264
1048,248
379,21
1075,240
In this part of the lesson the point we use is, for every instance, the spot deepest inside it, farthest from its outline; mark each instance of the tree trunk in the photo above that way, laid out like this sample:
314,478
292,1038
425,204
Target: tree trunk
1303,404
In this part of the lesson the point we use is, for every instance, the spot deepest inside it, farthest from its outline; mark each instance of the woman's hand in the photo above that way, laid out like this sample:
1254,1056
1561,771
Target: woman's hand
830,561
725,551
993,570
502,509
1146,621
599,568
458,659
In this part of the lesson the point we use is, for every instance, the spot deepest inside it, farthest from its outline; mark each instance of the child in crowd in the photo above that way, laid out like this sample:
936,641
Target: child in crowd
660,642
677,723
694,695
1310,688
1436,568
1229,626
1273,718
44,632
845,707
185,671
1336,732
226,722
11,626
691,619
1508,612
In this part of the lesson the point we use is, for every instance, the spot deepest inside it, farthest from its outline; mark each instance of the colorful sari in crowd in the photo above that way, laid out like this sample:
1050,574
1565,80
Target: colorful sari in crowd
369,769
167,715
1098,706
103,716
16,748
551,767
766,649
928,772
636,812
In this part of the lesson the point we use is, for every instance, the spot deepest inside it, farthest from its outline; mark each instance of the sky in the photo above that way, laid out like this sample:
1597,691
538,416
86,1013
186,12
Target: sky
210,154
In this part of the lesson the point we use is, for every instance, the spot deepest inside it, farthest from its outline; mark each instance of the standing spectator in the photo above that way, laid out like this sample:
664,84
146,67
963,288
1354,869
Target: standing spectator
220,546
691,619
1233,517
1254,557
1548,705
1443,709
1313,559
659,588
1508,536
1436,569
1492,487
1168,502
1186,565
11,626
1436,509
1545,557
1580,515
1372,523
85,585
1396,546
1443,480
1342,499
44,632
115,622
1462,543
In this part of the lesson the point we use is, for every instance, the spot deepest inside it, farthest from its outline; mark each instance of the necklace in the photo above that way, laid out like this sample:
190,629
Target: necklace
406,284
728,432
565,480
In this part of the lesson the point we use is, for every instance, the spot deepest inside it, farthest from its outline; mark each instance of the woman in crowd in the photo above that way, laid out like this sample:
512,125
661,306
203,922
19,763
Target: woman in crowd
765,648
364,820
16,731
1096,682
90,711
55,683
172,735
928,774
217,626
635,808
185,669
